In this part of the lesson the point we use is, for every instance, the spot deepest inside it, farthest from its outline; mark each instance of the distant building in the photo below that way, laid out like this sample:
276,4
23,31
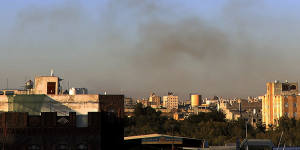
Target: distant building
196,100
178,116
78,91
245,109
170,101
212,101
281,99
144,102
204,108
155,101
128,103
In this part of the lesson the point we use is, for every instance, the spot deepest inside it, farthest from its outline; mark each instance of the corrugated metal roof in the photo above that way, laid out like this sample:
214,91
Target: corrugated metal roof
154,135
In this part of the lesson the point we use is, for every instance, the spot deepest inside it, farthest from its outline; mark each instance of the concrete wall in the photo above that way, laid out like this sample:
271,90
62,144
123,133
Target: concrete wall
3,103
40,84
62,104
81,104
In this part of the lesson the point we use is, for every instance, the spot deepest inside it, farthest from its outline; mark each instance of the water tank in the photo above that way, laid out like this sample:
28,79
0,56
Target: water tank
29,85
196,100
72,91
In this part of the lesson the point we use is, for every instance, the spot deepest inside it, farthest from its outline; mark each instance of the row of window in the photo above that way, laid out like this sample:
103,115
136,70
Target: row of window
287,114
7,92
287,104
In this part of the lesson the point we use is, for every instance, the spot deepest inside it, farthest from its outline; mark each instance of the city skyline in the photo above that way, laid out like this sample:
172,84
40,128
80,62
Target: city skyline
225,48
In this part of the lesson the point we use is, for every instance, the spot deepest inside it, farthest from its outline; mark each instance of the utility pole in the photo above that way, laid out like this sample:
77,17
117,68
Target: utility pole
280,140
246,136
172,126
4,132
7,83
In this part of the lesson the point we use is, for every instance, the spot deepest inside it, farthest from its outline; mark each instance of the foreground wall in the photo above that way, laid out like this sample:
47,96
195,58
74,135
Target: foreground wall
20,131
62,104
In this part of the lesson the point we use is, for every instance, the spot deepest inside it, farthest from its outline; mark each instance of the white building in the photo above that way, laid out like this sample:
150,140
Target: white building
170,101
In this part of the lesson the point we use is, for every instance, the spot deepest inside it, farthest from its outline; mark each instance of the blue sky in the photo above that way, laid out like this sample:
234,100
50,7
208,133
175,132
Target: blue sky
227,48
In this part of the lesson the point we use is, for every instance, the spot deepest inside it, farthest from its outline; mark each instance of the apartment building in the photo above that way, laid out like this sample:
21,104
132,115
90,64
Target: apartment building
281,99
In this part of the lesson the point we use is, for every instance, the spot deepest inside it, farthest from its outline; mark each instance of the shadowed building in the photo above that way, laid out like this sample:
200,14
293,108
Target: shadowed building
20,131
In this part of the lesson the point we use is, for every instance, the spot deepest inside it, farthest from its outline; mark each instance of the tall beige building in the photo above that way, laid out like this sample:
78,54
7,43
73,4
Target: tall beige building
170,101
155,100
281,99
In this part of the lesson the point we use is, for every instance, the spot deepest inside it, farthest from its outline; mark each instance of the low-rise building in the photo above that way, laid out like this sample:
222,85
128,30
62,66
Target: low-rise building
145,102
248,110
155,101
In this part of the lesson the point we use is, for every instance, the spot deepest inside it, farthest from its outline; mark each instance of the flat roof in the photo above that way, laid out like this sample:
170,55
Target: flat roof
154,135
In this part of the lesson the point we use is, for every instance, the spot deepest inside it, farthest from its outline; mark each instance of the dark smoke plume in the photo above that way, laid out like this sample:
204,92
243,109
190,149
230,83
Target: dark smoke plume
140,46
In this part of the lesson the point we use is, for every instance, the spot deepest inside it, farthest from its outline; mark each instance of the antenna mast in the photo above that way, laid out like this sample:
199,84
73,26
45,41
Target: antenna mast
6,83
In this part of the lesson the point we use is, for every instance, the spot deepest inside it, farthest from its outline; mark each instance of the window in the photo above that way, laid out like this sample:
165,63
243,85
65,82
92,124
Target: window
9,93
295,114
295,104
293,87
1,93
286,104
33,147
285,87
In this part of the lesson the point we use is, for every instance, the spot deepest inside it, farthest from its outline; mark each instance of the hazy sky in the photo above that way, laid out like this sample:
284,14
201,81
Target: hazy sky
221,47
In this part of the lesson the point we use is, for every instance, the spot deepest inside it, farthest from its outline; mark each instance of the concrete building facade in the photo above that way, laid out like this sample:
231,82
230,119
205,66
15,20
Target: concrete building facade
281,99
155,100
170,101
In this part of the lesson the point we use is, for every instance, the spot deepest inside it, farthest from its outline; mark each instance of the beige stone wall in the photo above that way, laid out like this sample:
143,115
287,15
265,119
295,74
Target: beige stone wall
62,104
40,84
3,103
81,104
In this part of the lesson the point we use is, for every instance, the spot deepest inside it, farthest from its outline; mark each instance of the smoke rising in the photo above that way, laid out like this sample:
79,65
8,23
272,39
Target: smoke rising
136,47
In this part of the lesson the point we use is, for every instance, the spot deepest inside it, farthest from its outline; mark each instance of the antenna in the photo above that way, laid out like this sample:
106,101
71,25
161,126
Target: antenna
6,83
68,85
